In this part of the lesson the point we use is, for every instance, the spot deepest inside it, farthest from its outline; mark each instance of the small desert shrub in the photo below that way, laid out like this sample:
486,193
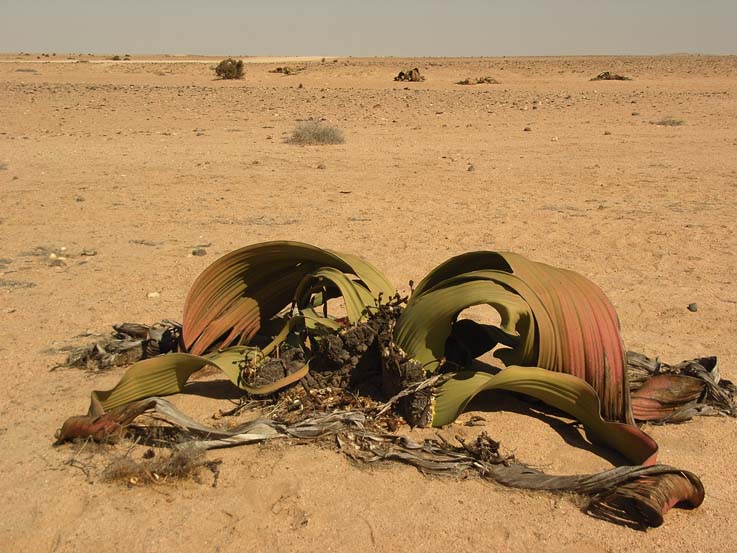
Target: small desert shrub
315,132
230,69
479,80
115,58
670,122
287,70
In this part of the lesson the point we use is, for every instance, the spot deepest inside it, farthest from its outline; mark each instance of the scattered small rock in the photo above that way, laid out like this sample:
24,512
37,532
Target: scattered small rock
153,295
607,133
199,252
527,129
89,252
471,167
692,307
554,139
321,166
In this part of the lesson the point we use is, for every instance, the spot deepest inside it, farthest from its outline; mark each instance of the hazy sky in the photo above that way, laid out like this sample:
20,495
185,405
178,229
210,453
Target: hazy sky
370,28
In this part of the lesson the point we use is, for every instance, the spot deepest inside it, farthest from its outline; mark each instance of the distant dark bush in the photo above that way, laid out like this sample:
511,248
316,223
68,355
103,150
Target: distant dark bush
314,132
230,69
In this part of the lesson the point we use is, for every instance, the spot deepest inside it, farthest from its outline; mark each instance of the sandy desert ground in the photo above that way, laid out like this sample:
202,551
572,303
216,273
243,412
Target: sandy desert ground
143,160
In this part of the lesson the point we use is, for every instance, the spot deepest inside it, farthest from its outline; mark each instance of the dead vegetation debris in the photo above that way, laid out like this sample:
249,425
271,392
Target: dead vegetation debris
181,463
609,76
286,70
478,80
129,342
410,75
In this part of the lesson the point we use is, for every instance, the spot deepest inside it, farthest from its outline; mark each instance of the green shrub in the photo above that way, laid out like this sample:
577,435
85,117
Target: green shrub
230,69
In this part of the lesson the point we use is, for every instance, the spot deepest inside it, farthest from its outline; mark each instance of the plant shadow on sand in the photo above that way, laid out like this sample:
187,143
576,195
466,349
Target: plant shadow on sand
495,401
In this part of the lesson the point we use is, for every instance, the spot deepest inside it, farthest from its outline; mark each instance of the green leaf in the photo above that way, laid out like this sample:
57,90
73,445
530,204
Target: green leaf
572,327
562,391
168,374
426,323
356,296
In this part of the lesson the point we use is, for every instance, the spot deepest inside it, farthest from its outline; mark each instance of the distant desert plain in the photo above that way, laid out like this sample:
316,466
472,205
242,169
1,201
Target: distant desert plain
113,171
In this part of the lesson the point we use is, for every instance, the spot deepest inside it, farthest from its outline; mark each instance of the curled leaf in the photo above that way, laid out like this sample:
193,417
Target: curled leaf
565,392
232,298
564,322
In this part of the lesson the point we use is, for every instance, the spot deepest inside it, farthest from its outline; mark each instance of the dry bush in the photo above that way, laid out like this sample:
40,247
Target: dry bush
479,80
314,131
670,122
184,462
609,76
230,69
287,70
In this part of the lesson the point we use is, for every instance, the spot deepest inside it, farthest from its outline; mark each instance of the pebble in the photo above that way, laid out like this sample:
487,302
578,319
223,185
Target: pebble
607,133
199,252
527,129
89,252
471,167
153,295
692,307
321,166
